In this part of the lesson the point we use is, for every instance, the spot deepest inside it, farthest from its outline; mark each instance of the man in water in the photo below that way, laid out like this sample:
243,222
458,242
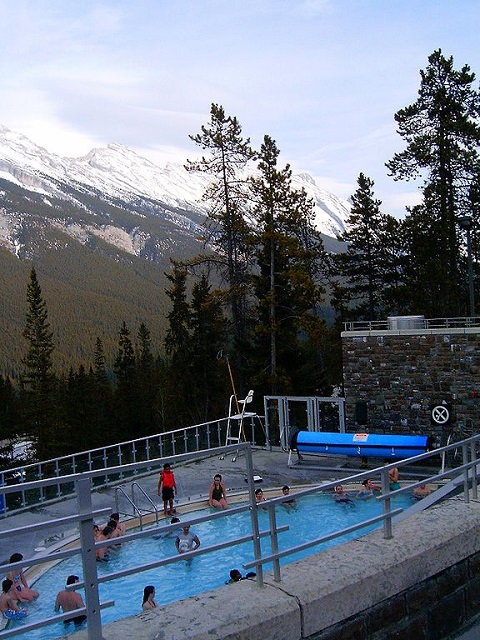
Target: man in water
68,600
288,503
187,541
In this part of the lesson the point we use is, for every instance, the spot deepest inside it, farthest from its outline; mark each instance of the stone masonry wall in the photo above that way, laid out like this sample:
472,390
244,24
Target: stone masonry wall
401,375
432,609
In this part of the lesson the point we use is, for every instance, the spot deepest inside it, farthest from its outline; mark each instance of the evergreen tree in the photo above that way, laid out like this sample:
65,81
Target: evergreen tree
178,349
38,382
9,421
104,430
393,261
126,406
227,227
80,412
357,290
208,339
442,132
288,250
147,384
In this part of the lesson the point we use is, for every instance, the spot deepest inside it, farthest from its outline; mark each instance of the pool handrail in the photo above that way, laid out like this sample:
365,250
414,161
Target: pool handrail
145,495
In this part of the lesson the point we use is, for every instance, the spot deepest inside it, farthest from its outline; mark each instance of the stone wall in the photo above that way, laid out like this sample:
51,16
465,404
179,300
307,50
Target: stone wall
432,609
398,376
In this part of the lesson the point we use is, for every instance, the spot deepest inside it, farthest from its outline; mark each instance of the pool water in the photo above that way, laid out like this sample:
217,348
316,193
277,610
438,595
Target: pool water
310,518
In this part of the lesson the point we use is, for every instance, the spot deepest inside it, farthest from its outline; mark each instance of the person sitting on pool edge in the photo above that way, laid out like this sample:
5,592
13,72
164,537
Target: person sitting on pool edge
218,494
187,541
8,602
69,600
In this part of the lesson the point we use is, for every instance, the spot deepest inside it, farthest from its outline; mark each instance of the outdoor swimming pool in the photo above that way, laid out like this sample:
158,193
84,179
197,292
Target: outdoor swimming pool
312,516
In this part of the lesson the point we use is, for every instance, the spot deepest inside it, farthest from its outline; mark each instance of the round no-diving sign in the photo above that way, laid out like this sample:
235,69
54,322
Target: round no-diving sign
440,414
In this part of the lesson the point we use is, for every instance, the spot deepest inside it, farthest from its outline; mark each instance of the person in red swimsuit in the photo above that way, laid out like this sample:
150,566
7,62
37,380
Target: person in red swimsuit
167,489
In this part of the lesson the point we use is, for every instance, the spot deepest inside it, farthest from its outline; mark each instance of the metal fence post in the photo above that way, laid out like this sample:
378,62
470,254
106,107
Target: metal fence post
387,523
274,541
89,561
465,473
473,457
253,513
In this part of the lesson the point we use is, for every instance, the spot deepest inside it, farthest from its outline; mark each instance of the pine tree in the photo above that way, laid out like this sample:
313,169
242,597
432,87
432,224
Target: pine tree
288,250
147,384
178,349
442,133
208,339
80,412
39,416
9,421
227,228
357,290
104,431
125,391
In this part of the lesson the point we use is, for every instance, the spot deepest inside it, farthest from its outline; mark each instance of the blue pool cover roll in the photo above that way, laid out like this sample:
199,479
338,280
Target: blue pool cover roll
361,444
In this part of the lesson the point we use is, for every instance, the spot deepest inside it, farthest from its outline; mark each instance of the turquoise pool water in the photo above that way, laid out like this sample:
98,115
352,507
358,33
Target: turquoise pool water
312,517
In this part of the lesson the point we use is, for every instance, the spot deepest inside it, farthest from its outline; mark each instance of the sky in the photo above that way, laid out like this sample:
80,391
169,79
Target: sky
323,78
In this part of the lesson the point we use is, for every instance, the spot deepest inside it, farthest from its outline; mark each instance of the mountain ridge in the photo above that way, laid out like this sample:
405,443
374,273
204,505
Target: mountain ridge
118,219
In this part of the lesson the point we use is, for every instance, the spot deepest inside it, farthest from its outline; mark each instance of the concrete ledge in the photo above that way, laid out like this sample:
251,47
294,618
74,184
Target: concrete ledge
320,591
239,610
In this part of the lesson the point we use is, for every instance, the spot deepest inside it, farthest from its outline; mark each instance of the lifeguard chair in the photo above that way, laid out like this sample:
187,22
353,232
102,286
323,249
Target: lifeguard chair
235,429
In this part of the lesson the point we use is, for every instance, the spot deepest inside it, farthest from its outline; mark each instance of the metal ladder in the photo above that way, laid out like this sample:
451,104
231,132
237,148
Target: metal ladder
137,512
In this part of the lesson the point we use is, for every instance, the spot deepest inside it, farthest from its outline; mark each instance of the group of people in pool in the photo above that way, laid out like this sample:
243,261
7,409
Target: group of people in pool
149,591
15,588
288,504
217,495
112,530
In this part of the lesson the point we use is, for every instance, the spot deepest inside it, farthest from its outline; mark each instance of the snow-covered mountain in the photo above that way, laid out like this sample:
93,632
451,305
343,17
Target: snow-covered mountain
118,176
101,231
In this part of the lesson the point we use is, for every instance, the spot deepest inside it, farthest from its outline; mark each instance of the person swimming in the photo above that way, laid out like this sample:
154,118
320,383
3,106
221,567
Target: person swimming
340,496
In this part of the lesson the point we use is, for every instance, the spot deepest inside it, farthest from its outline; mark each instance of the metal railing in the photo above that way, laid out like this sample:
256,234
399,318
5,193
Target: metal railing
136,488
114,462
465,475
465,322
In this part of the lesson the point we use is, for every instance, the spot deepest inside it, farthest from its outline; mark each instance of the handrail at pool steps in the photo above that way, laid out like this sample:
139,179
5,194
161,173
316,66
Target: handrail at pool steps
113,463
465,474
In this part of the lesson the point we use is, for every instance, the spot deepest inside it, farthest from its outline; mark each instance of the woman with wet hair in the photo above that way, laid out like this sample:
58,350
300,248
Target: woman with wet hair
24,593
